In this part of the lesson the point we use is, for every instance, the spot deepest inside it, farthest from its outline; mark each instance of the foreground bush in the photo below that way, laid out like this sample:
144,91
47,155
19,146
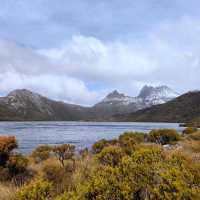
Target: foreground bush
54,173
190,130
12,165
147,174
164,136
98,146
110,155
64,152
41,153
133,167
193,136
7,145
17,164
129,140
36,190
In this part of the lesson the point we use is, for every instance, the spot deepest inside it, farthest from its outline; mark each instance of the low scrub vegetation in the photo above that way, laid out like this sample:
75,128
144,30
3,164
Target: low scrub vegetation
136,166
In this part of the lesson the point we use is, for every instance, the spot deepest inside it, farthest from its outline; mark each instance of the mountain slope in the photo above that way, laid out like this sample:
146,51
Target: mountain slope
157,95
26,105
118,103
182,109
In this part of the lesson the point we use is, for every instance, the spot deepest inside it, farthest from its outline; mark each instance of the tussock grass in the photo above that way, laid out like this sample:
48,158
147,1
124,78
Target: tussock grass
7,192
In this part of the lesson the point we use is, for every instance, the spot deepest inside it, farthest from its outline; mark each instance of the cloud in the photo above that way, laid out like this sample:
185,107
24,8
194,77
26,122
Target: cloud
169,55
91,59
60,88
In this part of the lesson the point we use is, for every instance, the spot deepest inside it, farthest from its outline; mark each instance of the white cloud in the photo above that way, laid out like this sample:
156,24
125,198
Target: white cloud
53,86
169,56
91,59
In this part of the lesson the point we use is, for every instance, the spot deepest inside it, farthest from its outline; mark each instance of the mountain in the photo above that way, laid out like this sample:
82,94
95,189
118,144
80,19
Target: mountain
26,105
119,103
116,103
184,108
157,95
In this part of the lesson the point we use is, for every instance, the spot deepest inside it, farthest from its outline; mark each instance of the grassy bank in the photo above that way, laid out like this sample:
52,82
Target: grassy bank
160,165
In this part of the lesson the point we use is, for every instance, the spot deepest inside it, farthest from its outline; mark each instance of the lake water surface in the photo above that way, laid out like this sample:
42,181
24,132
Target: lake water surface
81,134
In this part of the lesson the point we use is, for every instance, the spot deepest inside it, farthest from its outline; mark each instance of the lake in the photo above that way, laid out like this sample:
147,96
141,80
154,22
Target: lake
81,134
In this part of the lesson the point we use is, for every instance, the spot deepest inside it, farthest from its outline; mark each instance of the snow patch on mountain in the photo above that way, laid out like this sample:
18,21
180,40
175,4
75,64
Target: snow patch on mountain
116,97
147,97
157,95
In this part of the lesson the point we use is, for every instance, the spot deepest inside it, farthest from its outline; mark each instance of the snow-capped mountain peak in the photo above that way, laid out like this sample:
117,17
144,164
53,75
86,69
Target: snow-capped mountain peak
147,97
116,97
157,95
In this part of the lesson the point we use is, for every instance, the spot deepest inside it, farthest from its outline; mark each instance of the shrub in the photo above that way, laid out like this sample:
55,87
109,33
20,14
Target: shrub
190,130
129,140
129,180
98,146
41,153
4,174
176,184
106,184
64,152
68,196
84,152
7,144
36,190
110,155
17,164
53,172
148,155
193,136
138,137
164,136
180,179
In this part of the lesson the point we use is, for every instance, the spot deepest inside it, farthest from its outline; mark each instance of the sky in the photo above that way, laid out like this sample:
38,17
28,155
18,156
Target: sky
78,51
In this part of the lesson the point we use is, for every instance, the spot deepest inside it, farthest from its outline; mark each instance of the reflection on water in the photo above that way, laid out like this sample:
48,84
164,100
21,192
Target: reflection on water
82,134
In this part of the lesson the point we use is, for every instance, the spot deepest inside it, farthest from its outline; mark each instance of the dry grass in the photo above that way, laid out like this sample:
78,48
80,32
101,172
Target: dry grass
192,146
7,192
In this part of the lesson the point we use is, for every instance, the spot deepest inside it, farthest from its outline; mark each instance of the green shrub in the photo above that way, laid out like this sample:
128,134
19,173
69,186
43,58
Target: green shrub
190,130
129,140
110,155
107,184
98,146
36,190
138,137
41,153
164,136
68,196
180,179
148,155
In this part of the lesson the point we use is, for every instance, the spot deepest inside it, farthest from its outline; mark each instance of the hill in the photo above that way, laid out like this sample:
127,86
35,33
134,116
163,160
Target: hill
184,108
24,105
